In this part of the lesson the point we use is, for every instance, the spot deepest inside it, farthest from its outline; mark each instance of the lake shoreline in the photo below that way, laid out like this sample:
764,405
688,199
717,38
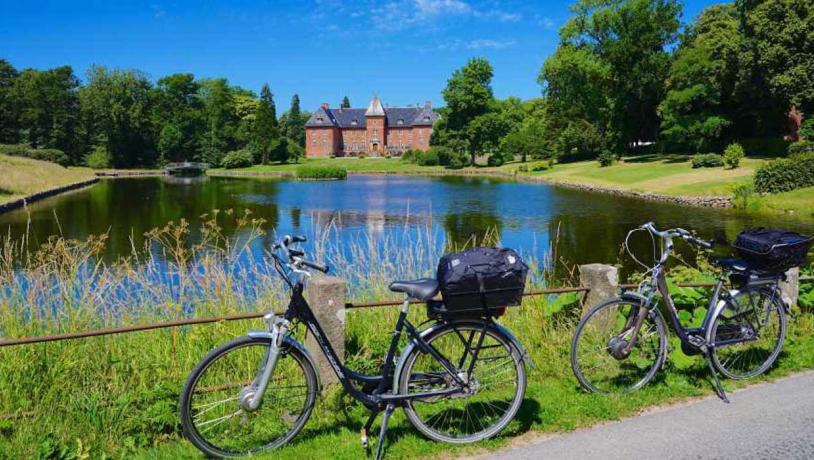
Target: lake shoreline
703,201
34,197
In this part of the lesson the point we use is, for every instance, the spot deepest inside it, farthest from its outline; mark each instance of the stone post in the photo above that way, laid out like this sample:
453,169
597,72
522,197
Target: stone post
602,280
790,289
326,296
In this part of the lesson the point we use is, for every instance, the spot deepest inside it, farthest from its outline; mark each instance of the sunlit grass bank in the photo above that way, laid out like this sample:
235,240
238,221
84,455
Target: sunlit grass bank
21,177
116,396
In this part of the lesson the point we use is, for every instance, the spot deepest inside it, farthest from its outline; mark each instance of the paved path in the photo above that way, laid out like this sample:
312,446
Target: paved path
767,421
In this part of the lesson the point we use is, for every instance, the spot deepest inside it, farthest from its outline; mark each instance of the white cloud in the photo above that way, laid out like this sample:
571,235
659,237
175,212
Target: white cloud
400,15
477,44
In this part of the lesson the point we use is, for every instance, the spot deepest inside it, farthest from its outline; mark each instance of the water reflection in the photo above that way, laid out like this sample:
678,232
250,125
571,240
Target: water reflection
576,227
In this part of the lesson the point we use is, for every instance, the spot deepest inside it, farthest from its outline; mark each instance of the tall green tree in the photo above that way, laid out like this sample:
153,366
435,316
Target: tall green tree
47,106
701,104
117,107
295,122
220,119
266,131
9,129
345,103
613,61
176,115
779,39
468,96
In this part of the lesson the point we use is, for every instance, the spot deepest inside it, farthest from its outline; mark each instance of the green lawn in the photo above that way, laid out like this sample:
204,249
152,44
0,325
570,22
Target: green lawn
663,174
20,177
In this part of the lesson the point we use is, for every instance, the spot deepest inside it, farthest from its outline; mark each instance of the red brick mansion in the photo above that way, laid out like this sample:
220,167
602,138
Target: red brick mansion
374,131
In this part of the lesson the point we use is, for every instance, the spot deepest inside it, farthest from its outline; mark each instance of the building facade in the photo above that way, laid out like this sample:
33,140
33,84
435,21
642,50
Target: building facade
375,131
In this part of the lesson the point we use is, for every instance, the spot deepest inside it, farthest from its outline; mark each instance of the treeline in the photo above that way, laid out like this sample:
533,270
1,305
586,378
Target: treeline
627,76
120,118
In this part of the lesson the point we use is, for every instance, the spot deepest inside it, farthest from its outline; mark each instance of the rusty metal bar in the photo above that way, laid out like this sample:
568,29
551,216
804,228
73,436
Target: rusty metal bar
245,316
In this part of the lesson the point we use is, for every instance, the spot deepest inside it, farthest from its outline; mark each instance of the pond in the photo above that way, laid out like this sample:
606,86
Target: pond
587,227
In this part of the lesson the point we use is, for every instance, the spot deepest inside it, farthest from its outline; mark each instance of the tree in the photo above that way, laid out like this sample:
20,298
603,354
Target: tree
116,106
701,102
777,30
295,122
345,103
176,114
220,119
613,61
528,141
468,95
266,132
48,109
8,112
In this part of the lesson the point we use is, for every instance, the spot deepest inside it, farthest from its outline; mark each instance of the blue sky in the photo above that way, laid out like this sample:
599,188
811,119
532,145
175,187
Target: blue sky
322,49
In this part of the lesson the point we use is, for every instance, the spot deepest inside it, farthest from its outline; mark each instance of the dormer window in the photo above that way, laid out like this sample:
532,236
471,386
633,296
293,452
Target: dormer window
320,119
400,121
354,122
426,118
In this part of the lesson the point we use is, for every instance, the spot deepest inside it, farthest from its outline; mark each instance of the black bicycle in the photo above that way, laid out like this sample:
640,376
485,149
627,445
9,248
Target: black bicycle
458,381
621,343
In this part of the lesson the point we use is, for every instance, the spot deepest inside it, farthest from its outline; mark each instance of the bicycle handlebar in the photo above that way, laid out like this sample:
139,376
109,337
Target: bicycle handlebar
295,255
679,232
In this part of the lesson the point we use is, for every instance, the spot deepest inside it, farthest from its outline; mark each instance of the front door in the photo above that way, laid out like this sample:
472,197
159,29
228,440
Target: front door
375,147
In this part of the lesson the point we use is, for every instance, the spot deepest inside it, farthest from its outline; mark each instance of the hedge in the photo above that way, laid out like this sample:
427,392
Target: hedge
238,159
785,174
707,160
321,172
21,150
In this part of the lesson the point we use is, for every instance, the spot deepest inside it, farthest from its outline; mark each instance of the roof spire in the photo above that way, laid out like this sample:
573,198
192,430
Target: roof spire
375,108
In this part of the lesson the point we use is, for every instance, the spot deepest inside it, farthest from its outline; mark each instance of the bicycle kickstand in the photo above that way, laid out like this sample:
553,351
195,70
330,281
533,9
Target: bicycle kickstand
366,429
383,432
719,388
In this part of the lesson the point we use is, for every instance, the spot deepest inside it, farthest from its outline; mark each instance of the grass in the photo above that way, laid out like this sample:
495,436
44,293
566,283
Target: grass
21,177
116,396
799,202
321,172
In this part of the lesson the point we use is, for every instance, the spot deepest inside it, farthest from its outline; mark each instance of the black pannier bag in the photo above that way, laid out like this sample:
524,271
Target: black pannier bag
772,250
481,281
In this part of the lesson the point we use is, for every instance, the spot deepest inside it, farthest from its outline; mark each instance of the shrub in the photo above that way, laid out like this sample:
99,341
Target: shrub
543,166
732,156
785,174
807,129
21,150
98,158
742,195
458,160
800,147
237,159
411,155
495,159
361,155
15,150
606,158
428,158
321,172
707,160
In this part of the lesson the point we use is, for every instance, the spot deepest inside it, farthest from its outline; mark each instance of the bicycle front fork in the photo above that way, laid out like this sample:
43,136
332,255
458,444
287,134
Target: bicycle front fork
252,395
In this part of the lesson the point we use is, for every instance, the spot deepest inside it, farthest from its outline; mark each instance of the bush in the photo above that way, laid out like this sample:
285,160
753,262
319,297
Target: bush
21,150
732,156
707,160
428,158
495,159
606,158
238,159
321,172
411,155
458,160
785,174
800,147
807,129
742,195
98,159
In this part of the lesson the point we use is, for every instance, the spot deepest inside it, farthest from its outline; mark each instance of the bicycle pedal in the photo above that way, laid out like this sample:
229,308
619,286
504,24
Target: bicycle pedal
364,438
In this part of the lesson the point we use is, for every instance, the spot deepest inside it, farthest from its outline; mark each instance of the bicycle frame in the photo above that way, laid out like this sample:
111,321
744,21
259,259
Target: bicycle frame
299,309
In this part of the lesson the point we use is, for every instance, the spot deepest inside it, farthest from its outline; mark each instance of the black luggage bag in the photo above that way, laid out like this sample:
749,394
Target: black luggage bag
480,282
771,250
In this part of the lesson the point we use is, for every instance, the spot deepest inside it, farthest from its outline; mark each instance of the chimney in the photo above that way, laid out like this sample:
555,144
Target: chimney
325,106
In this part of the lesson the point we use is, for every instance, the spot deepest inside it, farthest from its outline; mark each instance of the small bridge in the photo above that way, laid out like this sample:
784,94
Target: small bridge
187,168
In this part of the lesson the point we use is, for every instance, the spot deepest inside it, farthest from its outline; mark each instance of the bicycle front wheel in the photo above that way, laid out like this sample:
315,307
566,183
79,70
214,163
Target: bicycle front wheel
494,389
211,414
601,355
748,333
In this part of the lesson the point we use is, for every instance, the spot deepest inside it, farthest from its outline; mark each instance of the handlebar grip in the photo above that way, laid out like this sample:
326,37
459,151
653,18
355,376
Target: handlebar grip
298,239
700,242
316,266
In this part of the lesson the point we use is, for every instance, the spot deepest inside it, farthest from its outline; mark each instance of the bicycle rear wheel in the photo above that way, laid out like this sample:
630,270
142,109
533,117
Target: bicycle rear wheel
598,358
494,391
211,414
748,333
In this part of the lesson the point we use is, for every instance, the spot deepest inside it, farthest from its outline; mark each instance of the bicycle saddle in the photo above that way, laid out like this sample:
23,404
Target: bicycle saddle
737,265
421,289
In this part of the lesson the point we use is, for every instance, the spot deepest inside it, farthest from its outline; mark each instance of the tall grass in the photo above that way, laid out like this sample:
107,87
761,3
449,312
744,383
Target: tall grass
117,395
321,172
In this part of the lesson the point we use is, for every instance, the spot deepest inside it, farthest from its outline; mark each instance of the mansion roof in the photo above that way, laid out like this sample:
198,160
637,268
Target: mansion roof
357,118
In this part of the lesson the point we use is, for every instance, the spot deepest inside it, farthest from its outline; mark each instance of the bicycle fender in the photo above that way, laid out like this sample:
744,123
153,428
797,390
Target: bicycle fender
290,342
524,356
631,296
